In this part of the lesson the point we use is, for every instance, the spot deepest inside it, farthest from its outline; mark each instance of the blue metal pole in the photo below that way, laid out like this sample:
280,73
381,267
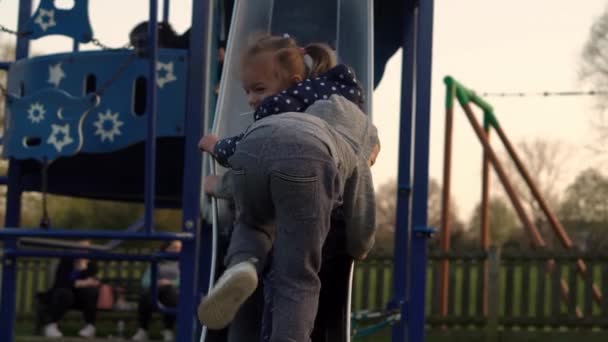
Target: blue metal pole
421,233
150,180
23,43
92,234
13,205
90,255
166,8
404,178
197,108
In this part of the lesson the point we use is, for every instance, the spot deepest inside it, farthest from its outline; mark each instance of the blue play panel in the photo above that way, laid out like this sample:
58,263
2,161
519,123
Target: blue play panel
55,114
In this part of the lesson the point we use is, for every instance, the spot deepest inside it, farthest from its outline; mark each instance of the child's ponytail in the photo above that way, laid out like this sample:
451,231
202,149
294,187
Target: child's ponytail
311,61
323,58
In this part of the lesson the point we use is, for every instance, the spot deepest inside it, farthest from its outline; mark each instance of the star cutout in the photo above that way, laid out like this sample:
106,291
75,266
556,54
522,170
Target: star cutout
60,136
50,19
105,131
167,69
36,112
56,74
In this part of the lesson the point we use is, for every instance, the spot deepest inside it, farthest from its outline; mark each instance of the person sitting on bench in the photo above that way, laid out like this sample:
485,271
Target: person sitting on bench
76,286
168,283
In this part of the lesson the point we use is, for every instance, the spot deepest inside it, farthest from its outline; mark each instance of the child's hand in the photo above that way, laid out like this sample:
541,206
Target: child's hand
372,158
207,143
209,184
163,282
362,257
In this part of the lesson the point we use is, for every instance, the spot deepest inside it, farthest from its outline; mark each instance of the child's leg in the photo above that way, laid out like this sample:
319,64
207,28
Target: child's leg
222,303
303,209
249,244
253,233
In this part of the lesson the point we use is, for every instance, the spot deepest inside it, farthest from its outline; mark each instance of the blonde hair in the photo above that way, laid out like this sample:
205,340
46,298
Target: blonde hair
289,57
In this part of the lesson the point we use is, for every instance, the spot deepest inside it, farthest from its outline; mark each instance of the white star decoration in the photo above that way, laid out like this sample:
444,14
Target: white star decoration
169,75
56,74
112,119
50,19
36,112
65,139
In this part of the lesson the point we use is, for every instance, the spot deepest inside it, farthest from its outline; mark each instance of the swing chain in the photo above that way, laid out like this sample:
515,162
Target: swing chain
94,41
121,69
101,90
45,220
101,45
5,93
13,32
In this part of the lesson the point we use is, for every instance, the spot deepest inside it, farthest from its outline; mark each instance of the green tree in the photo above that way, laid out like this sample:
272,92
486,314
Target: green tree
503,221
544,160
584,210
7,53
586,199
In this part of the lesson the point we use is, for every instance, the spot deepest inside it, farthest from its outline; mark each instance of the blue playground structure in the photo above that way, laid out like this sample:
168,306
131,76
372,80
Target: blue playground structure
120,124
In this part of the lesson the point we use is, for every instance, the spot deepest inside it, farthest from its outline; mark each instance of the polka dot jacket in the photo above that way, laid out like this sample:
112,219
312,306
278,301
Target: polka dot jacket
338,80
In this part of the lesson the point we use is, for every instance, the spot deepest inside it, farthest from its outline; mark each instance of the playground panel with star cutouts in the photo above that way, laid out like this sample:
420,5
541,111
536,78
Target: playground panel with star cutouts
54,113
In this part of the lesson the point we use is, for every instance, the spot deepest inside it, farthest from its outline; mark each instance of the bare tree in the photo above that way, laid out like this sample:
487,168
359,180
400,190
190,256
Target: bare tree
386,204
546,163
594,72
595,53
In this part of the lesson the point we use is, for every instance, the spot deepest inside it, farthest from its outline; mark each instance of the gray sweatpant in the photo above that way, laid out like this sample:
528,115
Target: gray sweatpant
286,185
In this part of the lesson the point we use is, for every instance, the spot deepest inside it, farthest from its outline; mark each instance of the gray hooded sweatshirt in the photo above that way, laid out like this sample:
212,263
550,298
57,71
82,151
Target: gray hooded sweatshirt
350,136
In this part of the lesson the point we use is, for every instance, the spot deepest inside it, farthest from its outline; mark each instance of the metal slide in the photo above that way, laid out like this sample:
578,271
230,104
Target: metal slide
346,25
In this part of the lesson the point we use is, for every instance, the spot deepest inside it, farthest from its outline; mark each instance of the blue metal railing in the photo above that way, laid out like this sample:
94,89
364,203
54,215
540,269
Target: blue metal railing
150,164
190,255
92,234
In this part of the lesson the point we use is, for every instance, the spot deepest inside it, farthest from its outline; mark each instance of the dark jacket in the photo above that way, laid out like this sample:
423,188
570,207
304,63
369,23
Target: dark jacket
66,275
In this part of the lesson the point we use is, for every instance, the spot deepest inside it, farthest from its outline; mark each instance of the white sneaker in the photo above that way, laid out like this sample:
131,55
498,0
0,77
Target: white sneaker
221,304
141,335
88,331
52,331
168,335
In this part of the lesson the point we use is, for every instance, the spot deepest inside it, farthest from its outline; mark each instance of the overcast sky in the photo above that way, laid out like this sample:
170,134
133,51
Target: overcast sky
489,45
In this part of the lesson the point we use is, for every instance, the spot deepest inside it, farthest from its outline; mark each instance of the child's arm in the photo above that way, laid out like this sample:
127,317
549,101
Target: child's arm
220,149
219,186
373,155
225,148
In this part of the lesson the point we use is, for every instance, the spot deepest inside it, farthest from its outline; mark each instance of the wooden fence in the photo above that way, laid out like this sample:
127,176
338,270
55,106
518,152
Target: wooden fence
526,290
524,293
35,275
